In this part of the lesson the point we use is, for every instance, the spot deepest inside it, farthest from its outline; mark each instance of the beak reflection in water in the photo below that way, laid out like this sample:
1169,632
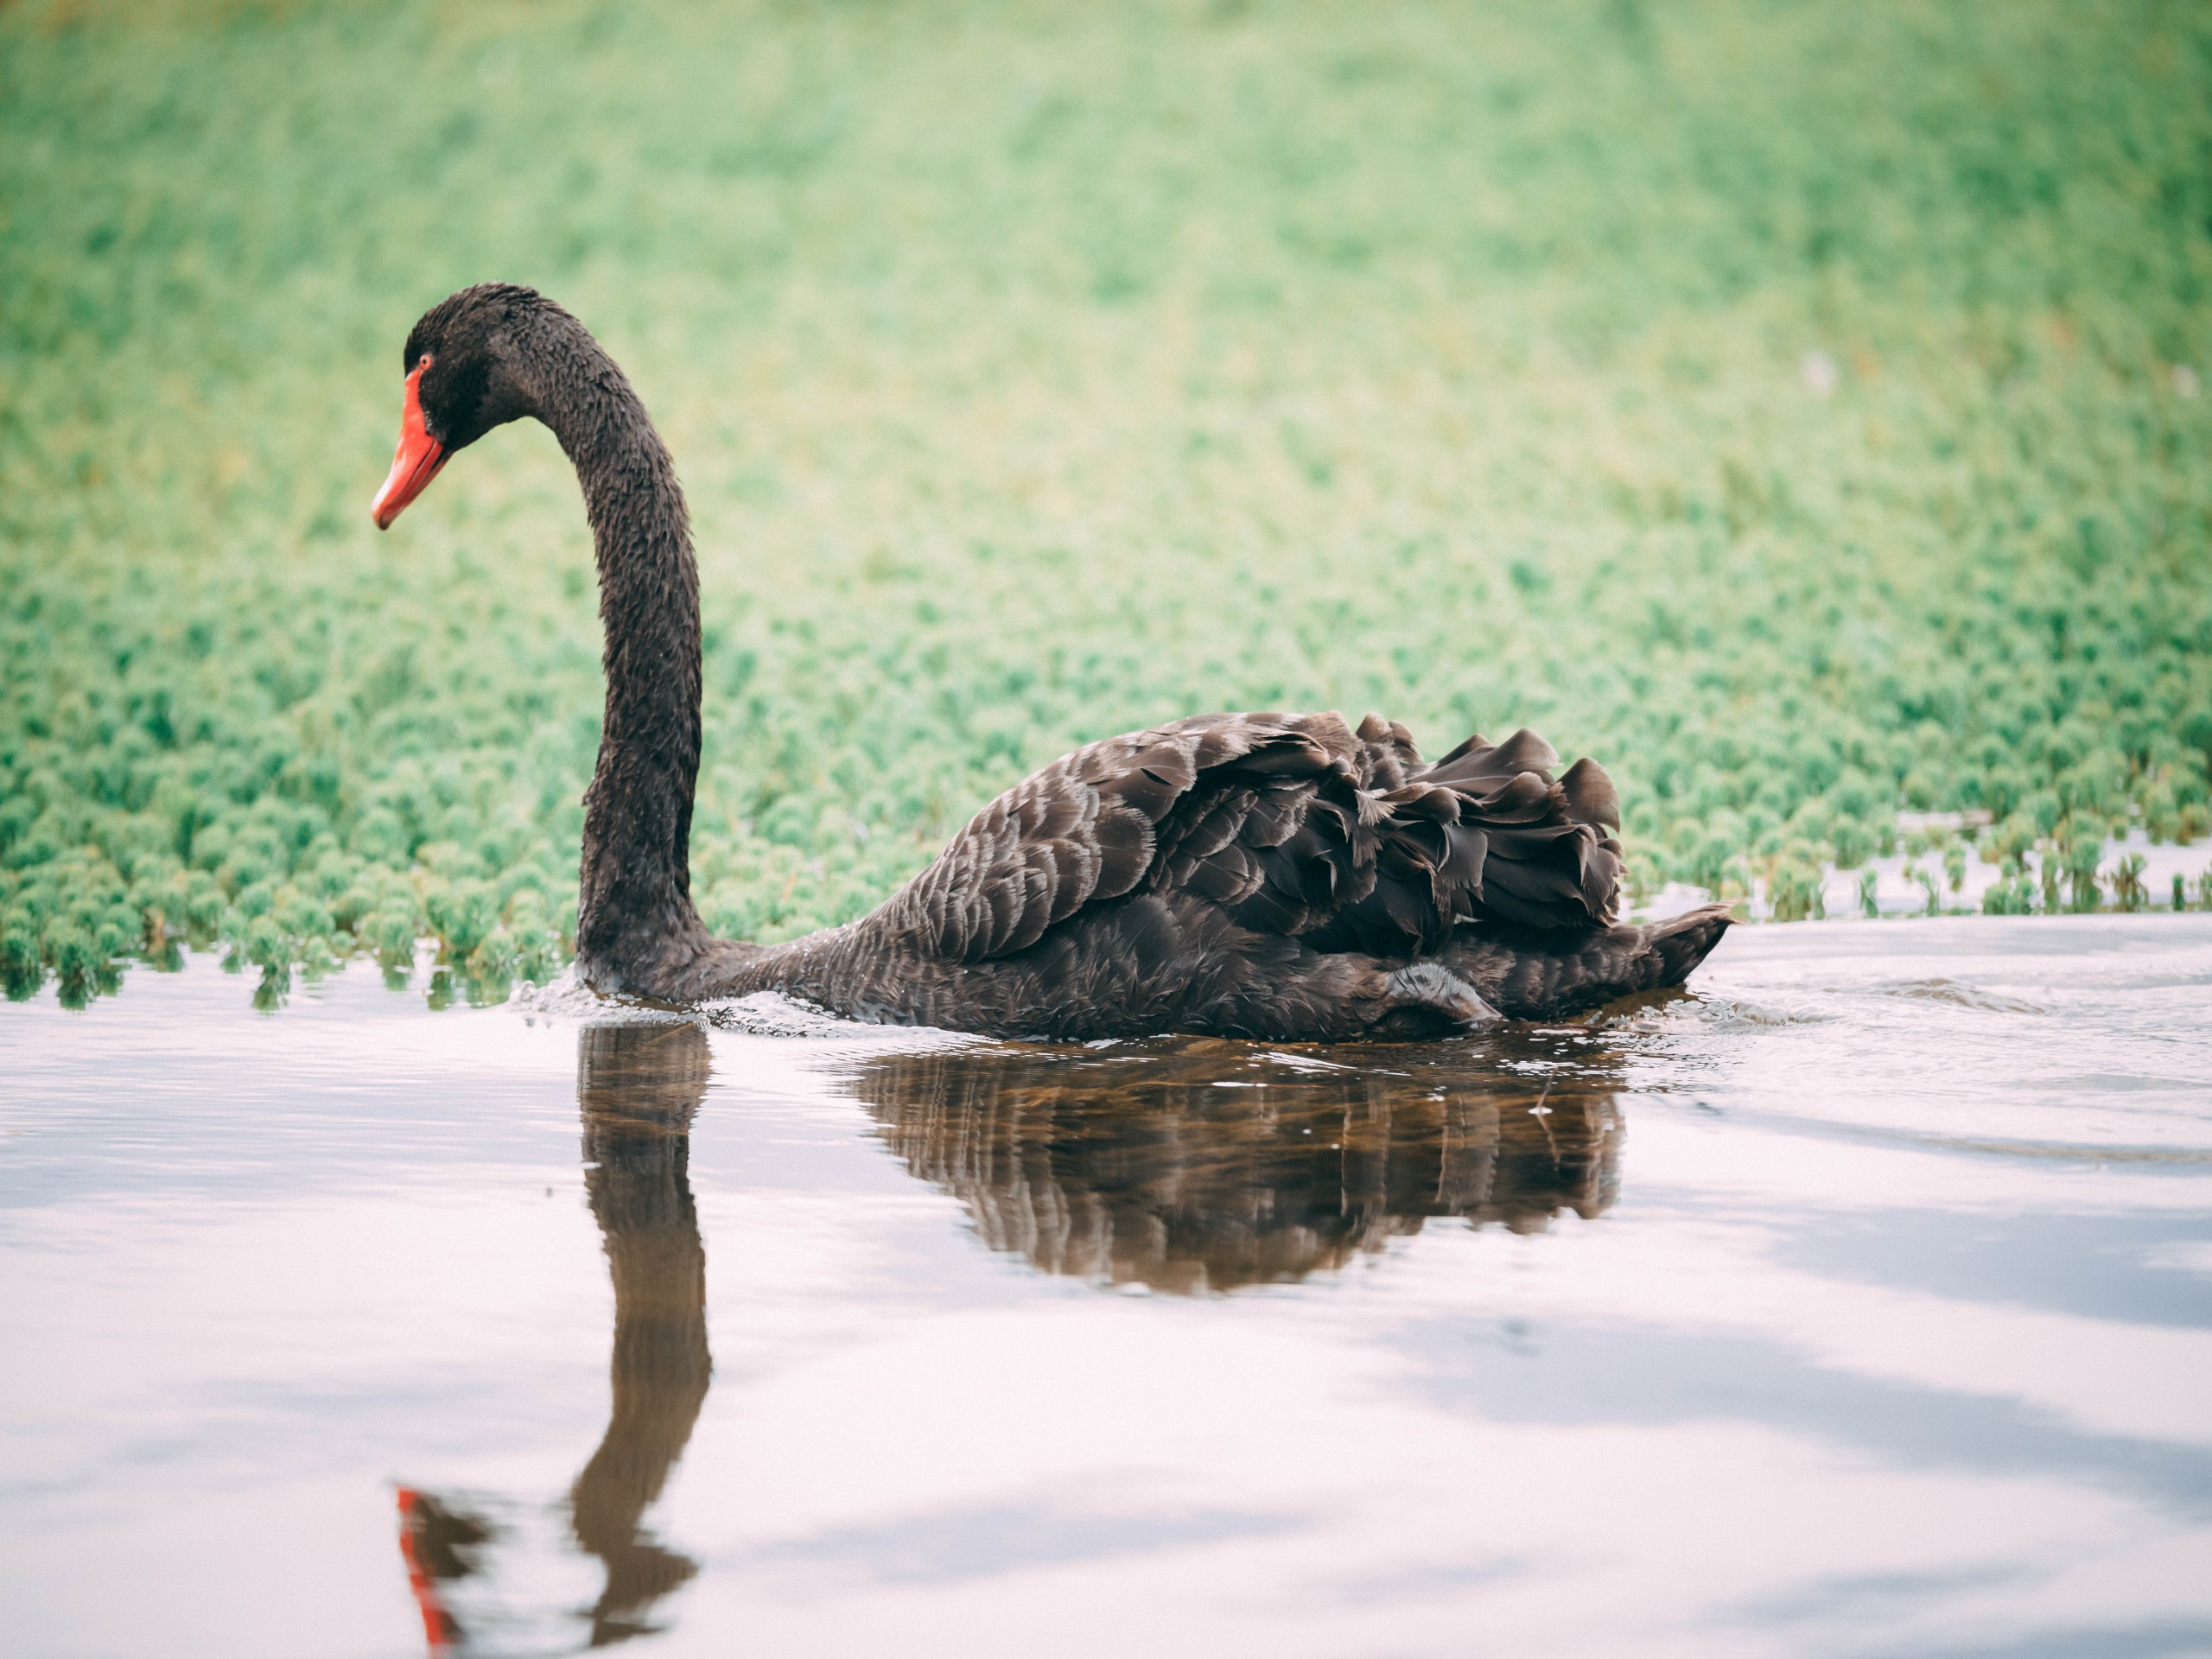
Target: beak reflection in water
638,1089
1190,1165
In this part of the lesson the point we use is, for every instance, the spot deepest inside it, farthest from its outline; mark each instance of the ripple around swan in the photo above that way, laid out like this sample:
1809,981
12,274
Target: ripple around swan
1740,1013
762,1013
568,998
1960,995
1911,1029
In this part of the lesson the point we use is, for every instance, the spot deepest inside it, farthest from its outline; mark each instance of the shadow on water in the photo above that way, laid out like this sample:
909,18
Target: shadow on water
638,1089
1188,1165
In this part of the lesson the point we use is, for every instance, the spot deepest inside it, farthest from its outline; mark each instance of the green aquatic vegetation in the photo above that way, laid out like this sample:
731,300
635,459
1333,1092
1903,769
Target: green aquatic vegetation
1795,886
2079,855
1931,884
1797,409
2128,891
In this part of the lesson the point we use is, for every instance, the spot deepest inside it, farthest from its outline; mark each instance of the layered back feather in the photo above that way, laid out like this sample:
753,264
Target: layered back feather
1294,824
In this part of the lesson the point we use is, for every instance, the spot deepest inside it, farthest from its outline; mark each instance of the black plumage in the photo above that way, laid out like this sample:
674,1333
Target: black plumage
1257,875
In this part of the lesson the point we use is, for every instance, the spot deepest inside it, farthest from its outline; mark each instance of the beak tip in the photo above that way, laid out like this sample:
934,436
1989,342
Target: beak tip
414,464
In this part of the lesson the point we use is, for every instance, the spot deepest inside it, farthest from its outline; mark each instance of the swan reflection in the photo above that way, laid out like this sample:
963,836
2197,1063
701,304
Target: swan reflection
638,1089
1189,1164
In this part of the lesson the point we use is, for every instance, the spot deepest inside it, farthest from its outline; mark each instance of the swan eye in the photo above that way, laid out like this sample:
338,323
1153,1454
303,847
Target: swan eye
423,362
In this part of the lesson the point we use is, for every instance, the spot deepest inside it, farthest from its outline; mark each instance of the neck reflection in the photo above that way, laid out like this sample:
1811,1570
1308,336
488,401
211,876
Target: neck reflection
1190,1165
638,1089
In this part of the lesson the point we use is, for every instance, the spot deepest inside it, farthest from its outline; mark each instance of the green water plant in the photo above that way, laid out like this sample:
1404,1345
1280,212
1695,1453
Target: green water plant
1931,885
1042,373
2050,872
1795,888
2128,891
2081,855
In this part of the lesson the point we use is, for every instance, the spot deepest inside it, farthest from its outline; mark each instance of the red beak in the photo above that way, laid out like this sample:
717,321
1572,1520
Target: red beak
414,464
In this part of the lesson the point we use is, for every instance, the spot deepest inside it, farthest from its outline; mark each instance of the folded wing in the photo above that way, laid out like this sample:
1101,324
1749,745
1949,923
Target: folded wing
1295,824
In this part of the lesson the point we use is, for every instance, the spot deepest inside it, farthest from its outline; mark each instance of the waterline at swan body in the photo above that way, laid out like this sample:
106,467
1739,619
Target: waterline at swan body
1269,875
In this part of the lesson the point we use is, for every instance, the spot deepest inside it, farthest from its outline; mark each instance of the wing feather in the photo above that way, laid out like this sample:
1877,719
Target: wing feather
1293,823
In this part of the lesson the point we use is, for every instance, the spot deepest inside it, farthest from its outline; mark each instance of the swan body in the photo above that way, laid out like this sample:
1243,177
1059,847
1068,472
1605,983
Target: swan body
1280,876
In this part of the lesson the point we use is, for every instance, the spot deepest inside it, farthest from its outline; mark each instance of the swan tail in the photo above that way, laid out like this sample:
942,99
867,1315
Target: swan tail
1545,974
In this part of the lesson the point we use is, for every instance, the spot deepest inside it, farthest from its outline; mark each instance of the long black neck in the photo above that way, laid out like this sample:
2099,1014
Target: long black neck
635,923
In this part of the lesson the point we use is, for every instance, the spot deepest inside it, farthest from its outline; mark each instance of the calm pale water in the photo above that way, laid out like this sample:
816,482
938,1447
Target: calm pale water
1860,1302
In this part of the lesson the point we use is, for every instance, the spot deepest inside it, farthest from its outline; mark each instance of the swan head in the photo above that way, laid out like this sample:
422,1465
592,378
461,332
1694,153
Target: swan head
463,379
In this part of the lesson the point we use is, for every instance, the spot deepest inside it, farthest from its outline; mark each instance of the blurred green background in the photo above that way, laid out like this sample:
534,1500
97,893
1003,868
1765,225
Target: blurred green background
1796,406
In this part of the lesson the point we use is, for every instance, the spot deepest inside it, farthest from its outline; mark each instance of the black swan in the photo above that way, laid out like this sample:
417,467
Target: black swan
1276,876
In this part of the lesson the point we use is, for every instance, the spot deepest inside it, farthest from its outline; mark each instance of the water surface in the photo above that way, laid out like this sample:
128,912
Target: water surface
1857,1302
